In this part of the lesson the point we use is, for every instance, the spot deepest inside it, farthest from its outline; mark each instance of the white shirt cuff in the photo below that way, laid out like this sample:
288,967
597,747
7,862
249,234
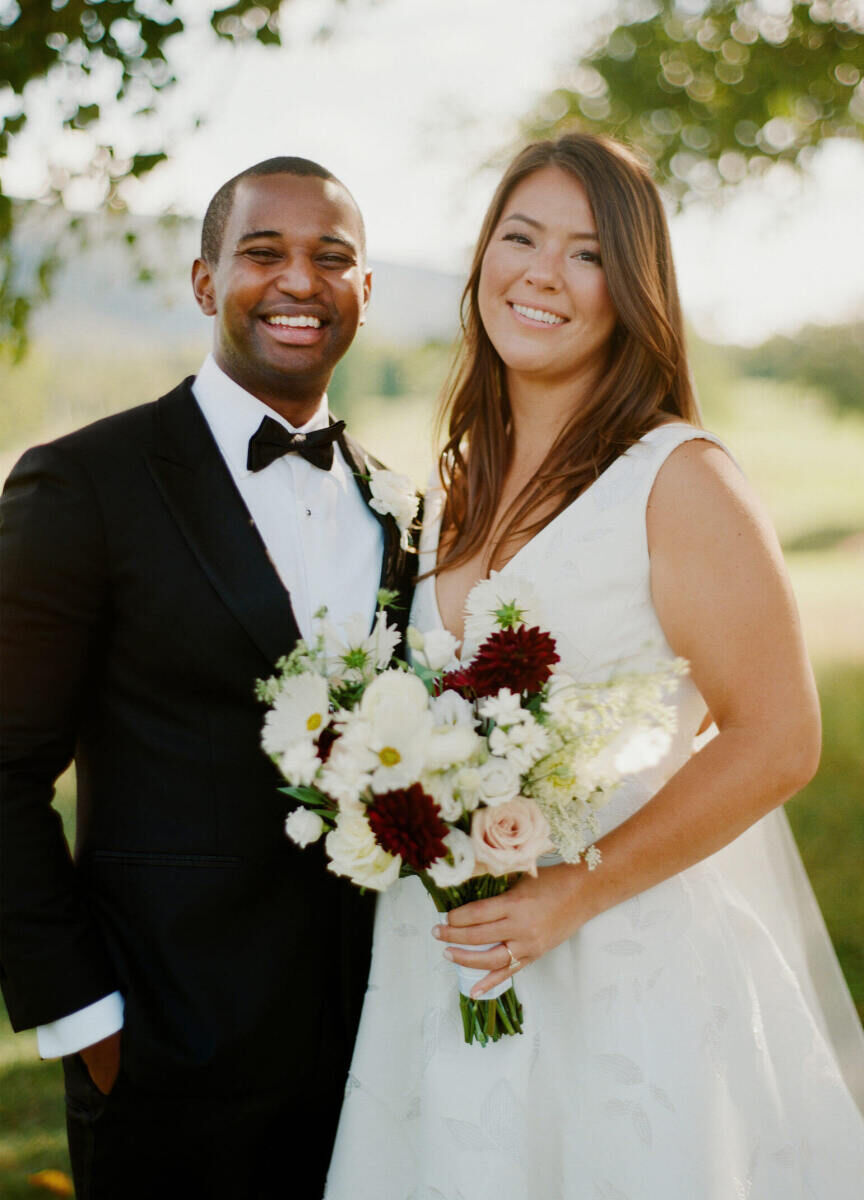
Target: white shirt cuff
82,1028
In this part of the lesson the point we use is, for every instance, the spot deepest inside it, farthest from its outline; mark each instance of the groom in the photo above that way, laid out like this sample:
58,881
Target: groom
200,975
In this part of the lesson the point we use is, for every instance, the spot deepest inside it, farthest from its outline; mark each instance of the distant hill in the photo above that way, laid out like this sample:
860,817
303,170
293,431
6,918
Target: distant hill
97,300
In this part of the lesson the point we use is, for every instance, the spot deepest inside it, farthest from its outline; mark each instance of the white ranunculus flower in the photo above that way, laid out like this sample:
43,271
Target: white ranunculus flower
394,496
498,781
299,713
440,786
438,650
303,826
451,744
354,852
452,709
395,689
501,601
466,787
299,763
445,874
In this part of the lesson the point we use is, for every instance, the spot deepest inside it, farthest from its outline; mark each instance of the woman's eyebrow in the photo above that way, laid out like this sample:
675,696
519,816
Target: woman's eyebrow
539,225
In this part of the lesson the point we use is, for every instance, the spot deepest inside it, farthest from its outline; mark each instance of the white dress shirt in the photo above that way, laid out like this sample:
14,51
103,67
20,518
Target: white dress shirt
326,546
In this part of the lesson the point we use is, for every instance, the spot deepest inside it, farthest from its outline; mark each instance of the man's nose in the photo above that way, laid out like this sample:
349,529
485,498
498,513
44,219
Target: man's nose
298,277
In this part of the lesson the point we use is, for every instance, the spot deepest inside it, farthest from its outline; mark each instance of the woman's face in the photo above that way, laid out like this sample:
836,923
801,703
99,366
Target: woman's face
542,295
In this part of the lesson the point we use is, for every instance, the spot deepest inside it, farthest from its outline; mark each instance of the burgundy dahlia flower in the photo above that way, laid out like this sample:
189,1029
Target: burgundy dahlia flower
518,659
407,822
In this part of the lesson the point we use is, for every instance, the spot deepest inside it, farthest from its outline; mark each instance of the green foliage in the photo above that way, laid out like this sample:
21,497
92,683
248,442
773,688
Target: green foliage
711,96
827,357
72,45
828,822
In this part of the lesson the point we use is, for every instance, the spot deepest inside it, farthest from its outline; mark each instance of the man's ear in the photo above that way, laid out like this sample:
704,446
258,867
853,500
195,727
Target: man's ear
202,286
367,292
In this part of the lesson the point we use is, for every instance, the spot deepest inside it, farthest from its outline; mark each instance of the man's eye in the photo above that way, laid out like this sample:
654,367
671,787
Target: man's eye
261,252
339,260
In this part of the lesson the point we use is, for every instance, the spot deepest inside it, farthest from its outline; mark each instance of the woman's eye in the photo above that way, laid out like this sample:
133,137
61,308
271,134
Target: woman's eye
519,238
588,256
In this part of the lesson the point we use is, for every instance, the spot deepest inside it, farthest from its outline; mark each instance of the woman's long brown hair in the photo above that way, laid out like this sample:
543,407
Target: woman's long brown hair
646,376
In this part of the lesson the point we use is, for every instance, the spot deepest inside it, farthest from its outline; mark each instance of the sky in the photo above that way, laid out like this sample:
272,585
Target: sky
416,105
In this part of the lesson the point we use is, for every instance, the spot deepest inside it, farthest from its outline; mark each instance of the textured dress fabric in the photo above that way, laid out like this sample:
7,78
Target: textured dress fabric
670,1051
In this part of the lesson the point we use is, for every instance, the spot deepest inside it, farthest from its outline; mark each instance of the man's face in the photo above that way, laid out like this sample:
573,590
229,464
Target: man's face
290,286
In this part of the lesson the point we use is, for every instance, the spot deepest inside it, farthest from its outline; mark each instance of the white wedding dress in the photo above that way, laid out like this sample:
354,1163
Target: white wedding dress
675,1048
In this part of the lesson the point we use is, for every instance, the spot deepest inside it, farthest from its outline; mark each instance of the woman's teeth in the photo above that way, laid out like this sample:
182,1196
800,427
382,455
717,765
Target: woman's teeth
538,314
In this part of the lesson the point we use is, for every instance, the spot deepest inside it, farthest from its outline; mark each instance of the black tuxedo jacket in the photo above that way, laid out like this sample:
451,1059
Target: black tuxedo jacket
139,607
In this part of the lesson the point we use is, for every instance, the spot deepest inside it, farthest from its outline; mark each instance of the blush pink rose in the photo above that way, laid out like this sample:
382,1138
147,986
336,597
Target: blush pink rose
510,837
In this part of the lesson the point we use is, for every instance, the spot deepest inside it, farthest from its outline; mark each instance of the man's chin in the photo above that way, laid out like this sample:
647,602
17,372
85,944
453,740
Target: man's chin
294,370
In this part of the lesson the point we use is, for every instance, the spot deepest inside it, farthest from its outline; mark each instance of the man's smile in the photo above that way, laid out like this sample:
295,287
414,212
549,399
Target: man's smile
296,328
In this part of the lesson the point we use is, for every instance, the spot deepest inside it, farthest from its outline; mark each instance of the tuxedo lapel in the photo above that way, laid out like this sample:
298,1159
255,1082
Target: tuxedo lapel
197,487
393,559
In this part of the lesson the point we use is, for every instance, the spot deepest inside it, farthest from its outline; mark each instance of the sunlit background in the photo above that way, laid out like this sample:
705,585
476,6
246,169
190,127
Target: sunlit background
416,104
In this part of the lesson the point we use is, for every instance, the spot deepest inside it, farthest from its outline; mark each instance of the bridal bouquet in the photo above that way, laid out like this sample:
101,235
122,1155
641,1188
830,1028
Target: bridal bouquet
463,773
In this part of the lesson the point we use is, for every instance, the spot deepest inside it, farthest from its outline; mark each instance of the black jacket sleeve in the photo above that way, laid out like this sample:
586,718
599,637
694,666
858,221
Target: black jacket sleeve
54,617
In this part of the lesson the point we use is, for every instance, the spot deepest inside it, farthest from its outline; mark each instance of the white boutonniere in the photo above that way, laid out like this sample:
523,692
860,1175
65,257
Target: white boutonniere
394,496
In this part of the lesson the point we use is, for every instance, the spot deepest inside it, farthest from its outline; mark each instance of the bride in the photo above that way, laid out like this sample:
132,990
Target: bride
674,1043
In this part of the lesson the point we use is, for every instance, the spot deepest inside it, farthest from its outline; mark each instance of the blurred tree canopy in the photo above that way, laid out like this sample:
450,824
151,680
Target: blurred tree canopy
713,90
101,60
710,90
831,359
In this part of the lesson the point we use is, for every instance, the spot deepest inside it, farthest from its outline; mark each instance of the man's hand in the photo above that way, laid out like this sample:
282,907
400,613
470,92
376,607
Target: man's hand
102,1061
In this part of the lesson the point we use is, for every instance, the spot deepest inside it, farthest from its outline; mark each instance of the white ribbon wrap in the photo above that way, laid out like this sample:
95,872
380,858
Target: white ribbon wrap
469,976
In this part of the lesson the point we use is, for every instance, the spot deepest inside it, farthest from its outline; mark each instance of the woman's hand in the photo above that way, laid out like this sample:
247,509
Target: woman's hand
526,921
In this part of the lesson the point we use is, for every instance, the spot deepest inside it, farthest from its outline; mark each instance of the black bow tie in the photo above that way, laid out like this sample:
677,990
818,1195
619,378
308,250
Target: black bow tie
271,440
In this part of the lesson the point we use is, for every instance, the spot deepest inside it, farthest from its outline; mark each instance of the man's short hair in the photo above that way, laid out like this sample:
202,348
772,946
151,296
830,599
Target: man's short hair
219,208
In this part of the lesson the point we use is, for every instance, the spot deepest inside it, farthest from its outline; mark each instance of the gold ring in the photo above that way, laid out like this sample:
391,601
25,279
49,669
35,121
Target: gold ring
514,963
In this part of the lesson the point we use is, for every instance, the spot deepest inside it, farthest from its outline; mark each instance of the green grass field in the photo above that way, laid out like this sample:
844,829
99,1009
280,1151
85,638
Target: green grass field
806,464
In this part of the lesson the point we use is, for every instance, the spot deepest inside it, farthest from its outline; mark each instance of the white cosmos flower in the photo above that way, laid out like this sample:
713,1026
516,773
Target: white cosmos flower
303,826
501,601
383,639
299,713
354,852
497,781
461,849
353,654
396,730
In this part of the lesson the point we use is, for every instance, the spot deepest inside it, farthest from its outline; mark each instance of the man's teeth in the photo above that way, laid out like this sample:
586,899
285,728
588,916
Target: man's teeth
295,322
537,314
